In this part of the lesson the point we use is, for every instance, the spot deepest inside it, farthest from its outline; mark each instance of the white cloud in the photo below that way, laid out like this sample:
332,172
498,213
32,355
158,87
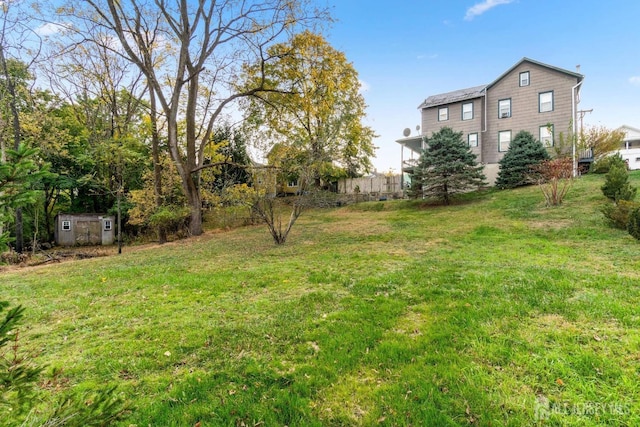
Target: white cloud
480,8
49,29
634,80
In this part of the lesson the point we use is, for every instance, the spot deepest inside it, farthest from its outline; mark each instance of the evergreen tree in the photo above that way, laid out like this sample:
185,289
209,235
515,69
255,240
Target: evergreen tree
616,186
446,167
17,177
516,166
633,225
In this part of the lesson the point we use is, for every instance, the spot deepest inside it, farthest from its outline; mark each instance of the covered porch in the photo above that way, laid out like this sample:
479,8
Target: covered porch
410,149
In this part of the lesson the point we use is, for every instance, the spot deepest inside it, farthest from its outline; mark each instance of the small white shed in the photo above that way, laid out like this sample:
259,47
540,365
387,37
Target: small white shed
84,229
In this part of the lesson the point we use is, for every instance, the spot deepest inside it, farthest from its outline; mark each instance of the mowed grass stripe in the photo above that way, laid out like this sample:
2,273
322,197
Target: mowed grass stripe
394,313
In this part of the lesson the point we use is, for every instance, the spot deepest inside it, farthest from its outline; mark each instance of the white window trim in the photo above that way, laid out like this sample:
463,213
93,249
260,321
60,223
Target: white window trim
501,115
446,114
292,183
540,103
526,82
469,139
66,225
107,225
500,133
548,135
470,111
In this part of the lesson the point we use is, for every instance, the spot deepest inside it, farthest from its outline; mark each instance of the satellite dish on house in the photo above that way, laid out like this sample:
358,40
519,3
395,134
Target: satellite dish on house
406,132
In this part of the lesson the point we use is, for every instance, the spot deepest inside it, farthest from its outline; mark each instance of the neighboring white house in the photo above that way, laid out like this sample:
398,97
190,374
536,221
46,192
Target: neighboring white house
630,151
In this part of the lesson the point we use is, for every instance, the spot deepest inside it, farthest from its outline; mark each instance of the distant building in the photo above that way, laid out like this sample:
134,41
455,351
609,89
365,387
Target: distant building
630,149
377,184
530,96
84,229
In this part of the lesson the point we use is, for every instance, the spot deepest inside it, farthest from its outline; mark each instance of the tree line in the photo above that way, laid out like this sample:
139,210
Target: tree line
155,106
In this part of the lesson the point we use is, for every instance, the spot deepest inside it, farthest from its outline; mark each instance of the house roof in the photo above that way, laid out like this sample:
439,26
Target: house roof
631,133
413,143
455,96
478,91
551,67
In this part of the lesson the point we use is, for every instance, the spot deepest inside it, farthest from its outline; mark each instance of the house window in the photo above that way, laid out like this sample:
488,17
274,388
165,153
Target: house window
66,225
524,79
504,108
545,101
443,114
504,140
546,135
467,111
473,139
292,183
107,225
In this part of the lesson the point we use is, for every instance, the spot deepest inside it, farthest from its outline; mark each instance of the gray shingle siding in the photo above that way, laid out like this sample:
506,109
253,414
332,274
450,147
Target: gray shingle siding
525,114
430,123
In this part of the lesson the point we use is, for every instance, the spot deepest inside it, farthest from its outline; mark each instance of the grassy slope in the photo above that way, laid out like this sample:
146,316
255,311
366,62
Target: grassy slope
379,314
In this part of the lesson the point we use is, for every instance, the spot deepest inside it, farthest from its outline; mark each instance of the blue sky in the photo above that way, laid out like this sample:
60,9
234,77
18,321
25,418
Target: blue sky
406,50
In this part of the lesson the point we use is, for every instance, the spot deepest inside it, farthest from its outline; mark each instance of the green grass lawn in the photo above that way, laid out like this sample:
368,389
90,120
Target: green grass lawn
497,311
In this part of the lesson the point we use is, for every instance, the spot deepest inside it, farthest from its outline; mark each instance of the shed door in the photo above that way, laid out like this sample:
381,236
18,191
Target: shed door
89,232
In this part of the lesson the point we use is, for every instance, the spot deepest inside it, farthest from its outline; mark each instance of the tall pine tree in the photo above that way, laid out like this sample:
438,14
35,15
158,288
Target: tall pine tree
516,167
446,167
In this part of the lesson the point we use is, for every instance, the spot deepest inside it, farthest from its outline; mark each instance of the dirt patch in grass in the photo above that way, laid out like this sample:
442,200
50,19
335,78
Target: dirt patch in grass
549,225
56,255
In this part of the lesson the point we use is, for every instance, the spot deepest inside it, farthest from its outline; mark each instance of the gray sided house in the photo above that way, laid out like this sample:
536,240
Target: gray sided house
531,96
84,229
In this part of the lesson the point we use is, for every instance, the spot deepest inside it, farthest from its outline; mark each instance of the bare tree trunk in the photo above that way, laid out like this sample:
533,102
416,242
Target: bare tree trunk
3,158
195,204
157,168
207,37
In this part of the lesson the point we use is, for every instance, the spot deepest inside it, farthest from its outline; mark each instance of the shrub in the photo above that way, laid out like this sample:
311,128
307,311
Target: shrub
171,218
516,167
616,186
633,227
604,165
618,214
555,178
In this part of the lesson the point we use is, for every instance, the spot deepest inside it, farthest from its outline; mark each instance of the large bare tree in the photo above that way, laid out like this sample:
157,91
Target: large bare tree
15,34
203,45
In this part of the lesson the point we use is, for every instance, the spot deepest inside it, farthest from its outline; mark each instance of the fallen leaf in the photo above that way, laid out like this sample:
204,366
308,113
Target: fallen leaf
559,381
167,353
597,338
